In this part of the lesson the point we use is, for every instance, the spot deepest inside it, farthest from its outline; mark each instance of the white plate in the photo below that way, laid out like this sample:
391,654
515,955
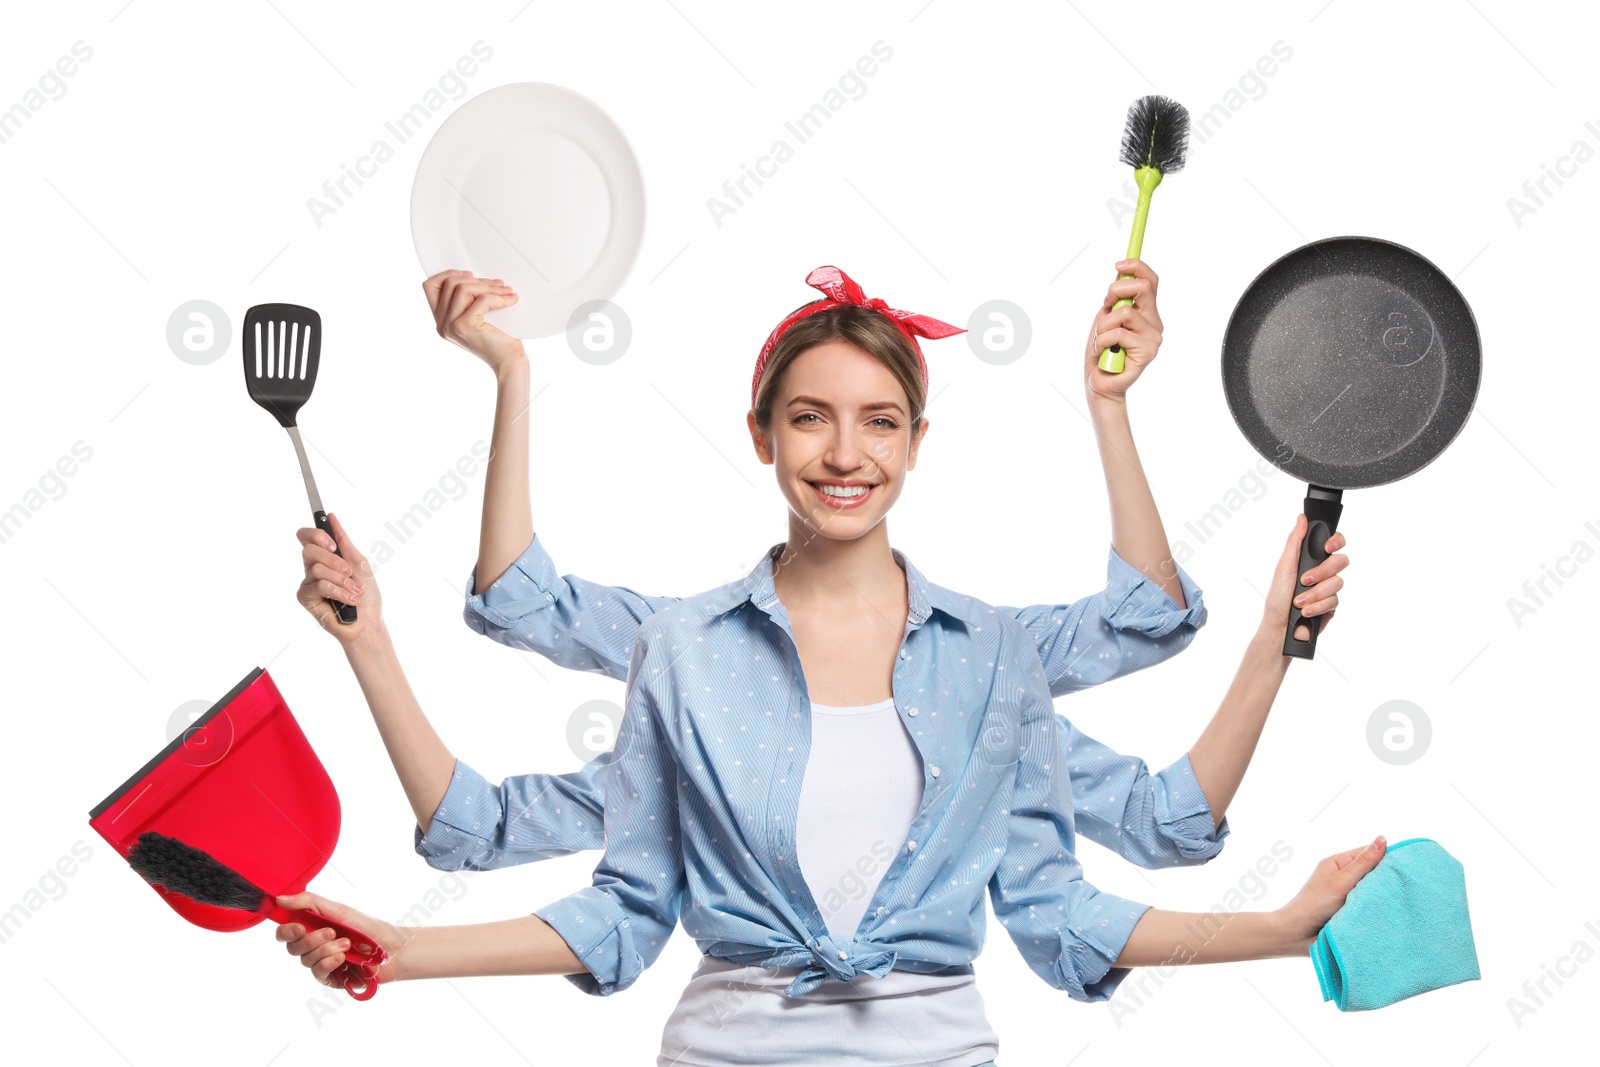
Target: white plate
535,184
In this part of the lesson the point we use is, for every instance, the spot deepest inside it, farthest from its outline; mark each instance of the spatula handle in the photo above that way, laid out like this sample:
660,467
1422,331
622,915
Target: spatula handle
347,612
359,972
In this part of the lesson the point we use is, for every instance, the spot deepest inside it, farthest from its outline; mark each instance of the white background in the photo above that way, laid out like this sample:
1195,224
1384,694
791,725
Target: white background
978,165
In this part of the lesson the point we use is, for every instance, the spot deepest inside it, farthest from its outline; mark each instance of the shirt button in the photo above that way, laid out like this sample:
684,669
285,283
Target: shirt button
934,771
904,654
911,846
911,712
843,955
549,597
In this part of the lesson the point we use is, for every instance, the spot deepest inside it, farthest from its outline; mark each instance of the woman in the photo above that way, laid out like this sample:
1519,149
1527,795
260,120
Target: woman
723,792
1172,817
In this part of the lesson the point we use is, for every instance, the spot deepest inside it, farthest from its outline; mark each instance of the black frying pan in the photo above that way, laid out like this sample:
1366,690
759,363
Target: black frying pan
1348,362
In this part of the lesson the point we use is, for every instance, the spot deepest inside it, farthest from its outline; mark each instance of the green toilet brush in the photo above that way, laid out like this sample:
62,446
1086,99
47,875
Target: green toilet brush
1154,144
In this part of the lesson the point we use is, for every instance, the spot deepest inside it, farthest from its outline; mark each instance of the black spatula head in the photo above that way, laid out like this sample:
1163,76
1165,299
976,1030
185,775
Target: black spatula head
282,347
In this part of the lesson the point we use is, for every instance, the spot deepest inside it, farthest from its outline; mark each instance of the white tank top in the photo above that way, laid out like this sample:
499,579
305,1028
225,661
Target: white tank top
862,787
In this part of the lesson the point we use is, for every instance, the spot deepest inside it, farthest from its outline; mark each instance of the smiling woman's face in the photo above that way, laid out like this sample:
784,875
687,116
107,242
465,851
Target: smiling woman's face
840,438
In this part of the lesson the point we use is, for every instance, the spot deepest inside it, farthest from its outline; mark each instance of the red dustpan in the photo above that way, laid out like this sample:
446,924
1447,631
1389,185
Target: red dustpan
243,785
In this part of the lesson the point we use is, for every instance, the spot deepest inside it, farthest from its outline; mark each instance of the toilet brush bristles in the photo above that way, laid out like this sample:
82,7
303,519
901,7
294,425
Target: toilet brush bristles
1157,134
180,868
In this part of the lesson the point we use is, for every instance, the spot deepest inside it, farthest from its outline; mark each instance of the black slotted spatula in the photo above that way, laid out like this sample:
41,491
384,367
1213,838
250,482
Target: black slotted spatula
282,347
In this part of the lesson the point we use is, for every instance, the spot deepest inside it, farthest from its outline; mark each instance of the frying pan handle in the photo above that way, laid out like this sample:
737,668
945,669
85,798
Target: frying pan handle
1322,508
347,612
359,972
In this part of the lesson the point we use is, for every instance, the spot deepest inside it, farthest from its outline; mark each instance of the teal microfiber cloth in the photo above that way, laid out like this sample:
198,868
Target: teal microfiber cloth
1403,930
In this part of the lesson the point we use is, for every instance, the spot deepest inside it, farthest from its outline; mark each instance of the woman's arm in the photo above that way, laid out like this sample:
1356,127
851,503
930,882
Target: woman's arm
524,945
1127,626
1068,931
1162,938
463,822
1083,940
570,621
507,525
1136,530
458,302
601,937
1222,754
515,595
420,758
479,826
1179,815
618,926
1152,820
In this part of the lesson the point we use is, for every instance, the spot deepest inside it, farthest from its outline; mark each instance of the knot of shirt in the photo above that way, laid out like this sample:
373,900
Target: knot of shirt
844,961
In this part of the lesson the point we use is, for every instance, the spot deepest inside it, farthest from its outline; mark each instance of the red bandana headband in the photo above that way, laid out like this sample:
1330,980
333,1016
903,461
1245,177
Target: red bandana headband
839,289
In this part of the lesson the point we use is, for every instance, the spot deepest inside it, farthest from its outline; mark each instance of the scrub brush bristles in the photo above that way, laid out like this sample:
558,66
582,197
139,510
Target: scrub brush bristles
180,868
1157,134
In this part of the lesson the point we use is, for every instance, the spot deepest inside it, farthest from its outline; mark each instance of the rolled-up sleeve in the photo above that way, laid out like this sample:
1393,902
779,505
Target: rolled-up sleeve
480,827
1130,624
572,622
618,926
1153,820
1069,932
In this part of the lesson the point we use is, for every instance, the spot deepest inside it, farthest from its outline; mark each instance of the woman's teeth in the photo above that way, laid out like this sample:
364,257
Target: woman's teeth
844,490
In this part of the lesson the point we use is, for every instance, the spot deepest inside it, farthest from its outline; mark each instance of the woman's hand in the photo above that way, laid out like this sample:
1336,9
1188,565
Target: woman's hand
1136,327
319,950
348,579
1325,891
459,300
1316,598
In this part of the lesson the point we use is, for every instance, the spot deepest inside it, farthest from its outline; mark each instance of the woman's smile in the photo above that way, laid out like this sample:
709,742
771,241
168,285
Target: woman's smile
843,495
